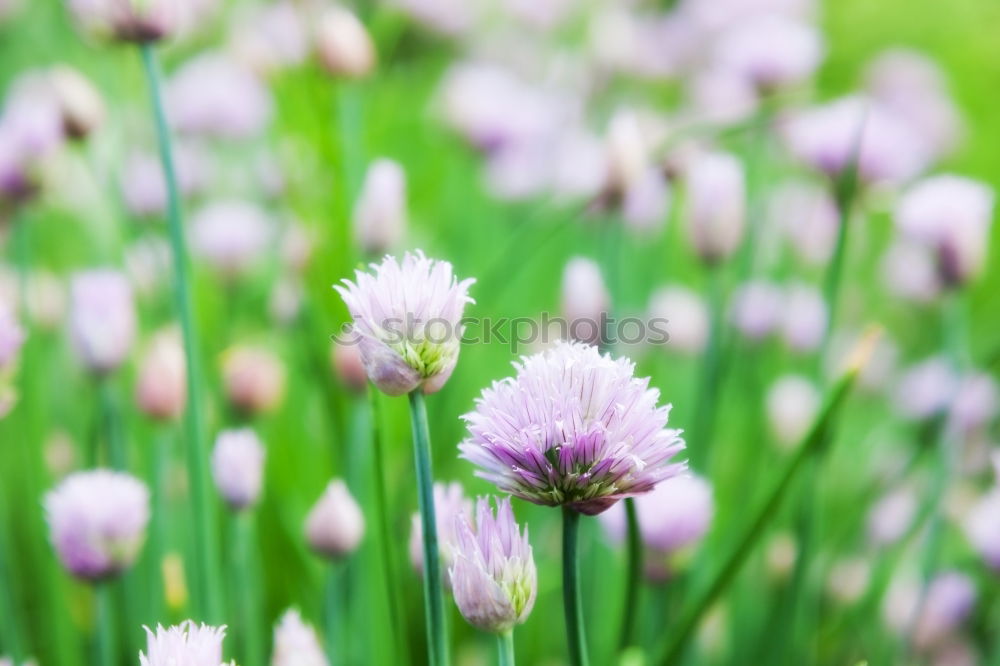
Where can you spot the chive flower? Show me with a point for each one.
(97, 520)
(573, 427)
(493, 576)
(407, 321)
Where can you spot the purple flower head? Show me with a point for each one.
(130, 20)
(231, 235)
(407, 321)
(213, 95)
(450, 502)
(771, 50)
(296, 643)
(187, 643)
(97, 522)
(238, 467)
(674, 515)
(102, 318)
(573, 427)
(951, 216)
(493, 577)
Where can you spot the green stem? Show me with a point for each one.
(10, 618)
(206, 566)
(115, 453)
(335, 614)
(160, 518)
(385, 534)
(702, 426)
(246, 591)
(634, 582)
(505, 648)
(106, 652)
(433, 601)
(575, 637)
(811, 445)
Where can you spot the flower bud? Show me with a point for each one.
(161, 389)
(97, 522)
(137, 21)
(756, 309)
(79, 101)
(380, 211)
(780, 556)
(349, 366)
(238, 467)
(770, 50)
(11, 337)
(673, 518)
(102, 319)
(344, 45)
(253, 378)
(335, 524)
(952, 216)
(684, 315)
(716, 205)
(627, 153)
(231, 236)
(804, 317)
(792, 404)
(212, 95)
(450, 503)
(808, 216)
(585, 300)
(943, 605)
(493, 576)
(925, 389)
(892, 516)
(296, 643)
(46, 299)
(849, 579)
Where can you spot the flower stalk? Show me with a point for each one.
(433, 599)
(575, 636)
(205, 569)
(505, 648)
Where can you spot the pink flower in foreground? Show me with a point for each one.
(186, 644)
(573, 427)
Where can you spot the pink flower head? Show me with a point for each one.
(254, 378)
(102, 318)
(832, 137)
(186, 644)
(674, 515)
(950, 215)
(214, 95)
(771, 50)
(296, 643)
(97, 522)
(716, 205)
(130, 20)
(685, 316)
(756, 309)
(585, 300)
(380, 211)
(573, 427)
(493, 576)
(161, 388)
(231, 236)
(238, 467)
(407, 321)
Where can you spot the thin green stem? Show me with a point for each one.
(105, 620)
(433, 599)
(206, 547)
(634, 581)
(384, 532)
(115, 454)
(160, 517)
(812, 445)
(335, 614)
(505, 648)
(575, 636)
(10, 618)
(703, 424)
(246, 591)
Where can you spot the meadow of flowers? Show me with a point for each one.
(589, 332)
